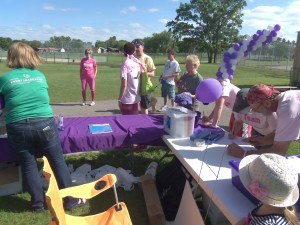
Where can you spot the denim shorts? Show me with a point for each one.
(168, 90)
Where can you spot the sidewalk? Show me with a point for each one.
(110, 107)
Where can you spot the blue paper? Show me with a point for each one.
(100, 128)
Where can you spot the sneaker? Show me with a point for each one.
(92, 103)
(83, 103)
(72, 203)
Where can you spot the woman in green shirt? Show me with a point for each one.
(30, 123)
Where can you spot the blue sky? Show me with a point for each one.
(126, 19)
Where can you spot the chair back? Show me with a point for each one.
(53, 198)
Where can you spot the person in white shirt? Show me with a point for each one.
(266, 100)
(168, 78)
(227, 99)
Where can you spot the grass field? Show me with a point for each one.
(64, 86)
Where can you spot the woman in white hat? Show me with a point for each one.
(273, 181)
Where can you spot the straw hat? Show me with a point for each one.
(270, 179)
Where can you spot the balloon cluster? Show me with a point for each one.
(243, 48)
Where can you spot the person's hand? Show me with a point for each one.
(235, 150)
(256, 140)
(119, 104)
(206, 120)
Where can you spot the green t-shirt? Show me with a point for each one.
(188, 83)
(26, 95)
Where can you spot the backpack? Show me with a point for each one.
(170, 184)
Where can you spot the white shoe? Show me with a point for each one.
(92, 103)
(83, 103)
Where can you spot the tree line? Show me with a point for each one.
(209, 26)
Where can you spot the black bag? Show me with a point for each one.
(170, 184)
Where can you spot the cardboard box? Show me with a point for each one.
(179, 121)
(10, 180)
(154, 208)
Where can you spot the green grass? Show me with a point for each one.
(64, 86)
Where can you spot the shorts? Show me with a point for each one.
(145, 101)
(168, 90)
(130, 109)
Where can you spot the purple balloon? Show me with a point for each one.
(236, 47)
(209, 90)
(277, 27)
(250, 48)
(228, 65)
(226, 59)
(246, 53)
(230, 77)
(230, 71)
(259, 32)
(269, 39)
(273, 33)
(255, 37)
(234, 55)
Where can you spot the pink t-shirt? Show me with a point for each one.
(131, 71)
(88, 66)
(229, 91)
(261, 123)
(288, 114)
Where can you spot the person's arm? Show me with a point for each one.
(151, 74)
(96, 70)
(237, 125)
(279, 147)
(122, 90)
(241, 222)
(216, 113)
(262, 140)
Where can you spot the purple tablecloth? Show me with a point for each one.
(127, 130)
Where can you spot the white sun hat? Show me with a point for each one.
(270, 179)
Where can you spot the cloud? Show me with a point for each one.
(175, 0)
(153, 10)
(47, 26)
(129, 9)
(135, 25)
(53, 8)
(163, 21)
(261, 17)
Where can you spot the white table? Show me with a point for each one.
(210, 168)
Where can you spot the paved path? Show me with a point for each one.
(110, 107)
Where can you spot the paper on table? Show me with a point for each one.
(100, 128)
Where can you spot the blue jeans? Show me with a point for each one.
(28, 136)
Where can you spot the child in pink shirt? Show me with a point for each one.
(88, 73)
(131, 69)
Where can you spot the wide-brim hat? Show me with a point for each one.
(241, 105)
(270, 178)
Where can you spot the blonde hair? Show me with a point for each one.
(193, 59)
(291, 216)
(21, 55)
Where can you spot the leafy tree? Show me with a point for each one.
(213, 24)
(5, 42)
(160, 42)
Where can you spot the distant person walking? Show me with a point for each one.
(168, 79)
(145, 77)
(88, 73)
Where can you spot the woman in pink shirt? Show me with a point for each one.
(88, 73)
